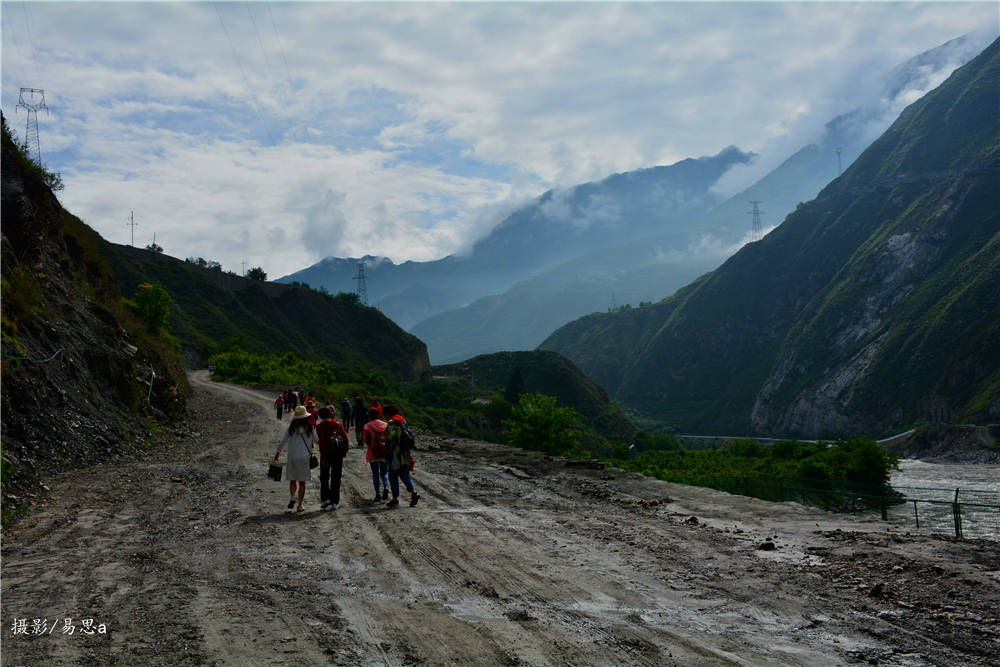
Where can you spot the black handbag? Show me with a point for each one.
(274, 472)
(313, 461)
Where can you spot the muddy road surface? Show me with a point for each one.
(187, 555)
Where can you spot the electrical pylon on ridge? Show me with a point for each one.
(756, 234)
(34, 101)
(362, 290)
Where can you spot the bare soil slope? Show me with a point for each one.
(189, 557)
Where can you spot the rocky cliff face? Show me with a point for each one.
(916, 304)
(81, 383)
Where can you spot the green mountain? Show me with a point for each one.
(212, 309)
(548, 373)
(870, 308)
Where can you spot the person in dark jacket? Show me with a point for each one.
(333, 445)
(360, 419)
(346, 413)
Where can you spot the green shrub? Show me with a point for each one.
(537, 423)
(749, 448)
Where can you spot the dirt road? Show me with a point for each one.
(187, 556)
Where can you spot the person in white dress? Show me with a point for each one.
(301, 437)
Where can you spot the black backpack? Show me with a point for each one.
(341, 443)
(402, 437)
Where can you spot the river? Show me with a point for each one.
(933, 485)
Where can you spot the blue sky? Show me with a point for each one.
(275, 134)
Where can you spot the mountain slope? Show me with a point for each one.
(646, 269)
(84, 382)
(212, 308)
(865, 308)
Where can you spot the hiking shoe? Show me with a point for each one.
(393, 503)
(300, 509)
(291, 503)
(413, 499)
(326, 503)
(335, 506)
(385, 494)
(377, 498)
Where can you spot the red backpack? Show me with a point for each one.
(378, 449)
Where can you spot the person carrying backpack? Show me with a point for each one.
(399, 455)
(375, 453)
(279, 404)
(332, 450)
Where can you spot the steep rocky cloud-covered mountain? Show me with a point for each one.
(872, 307)
(558, 226)
(633, 270)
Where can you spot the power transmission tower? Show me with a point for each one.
(32, 99)
(839, 169)
(132, 223)
(755, 230)
(362, 284)
(613, 305)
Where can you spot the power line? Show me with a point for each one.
(254, 99)
(232, 47)
(31, 42)
(267, 62)
(281, 47)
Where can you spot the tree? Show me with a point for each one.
(152, 304)
(154, 247)
(536, 423)
(256, 273)
(347, 297)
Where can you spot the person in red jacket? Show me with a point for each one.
(374, 438)
(332, 450)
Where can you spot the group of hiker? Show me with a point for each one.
(383, 431)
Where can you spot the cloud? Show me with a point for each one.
(409, 129)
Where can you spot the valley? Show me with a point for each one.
(188, 557)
